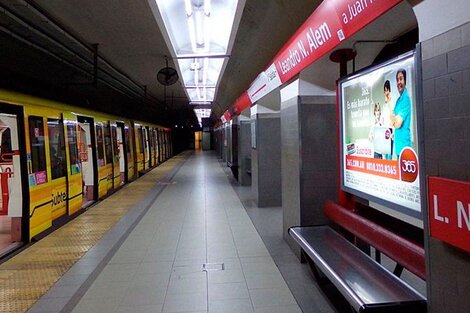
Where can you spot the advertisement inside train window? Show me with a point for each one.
(379, 145)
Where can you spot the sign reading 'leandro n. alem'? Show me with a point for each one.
(332, 22)
(449, 211)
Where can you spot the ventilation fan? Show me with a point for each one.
(167, 76)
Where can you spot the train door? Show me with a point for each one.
(13, 222)
(103, 169)
(167, 150)
(162, 136)
(86, 143)
(152, 141)
(170, 141)
(122, 148)
(140, 149)
(168, 154)
(58, 167)
(146, 148)
(74, 171)
(155, 145)
(150, 147)
(119, 154)
(129, 141)
(159, 144)
(163, 145)
(109, 157)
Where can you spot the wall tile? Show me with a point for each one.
(437, 149)
(432, 167)
(453, 170)
(435, 67)
(459, 59)
(450, 128)
(460, 151)
(465, 32)
(460, 105)
(448, 41)
(427, 49)
(431, 129)
(436, 108)
(428, 89)
(466, 81)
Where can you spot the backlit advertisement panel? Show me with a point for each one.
(379, 144)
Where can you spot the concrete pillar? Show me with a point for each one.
(244, 152)
(309, 157)
(225, 143)
(446, 107)
(266, 159)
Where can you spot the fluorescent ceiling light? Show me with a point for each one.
(199, 34)
(202, 113)
(201, 94)
(207, 7)
(188, 6)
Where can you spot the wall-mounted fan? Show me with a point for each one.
(167, 76)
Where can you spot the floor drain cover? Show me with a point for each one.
(207, 267)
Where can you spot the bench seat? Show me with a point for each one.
(365, 284)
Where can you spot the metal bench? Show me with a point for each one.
(364, 283)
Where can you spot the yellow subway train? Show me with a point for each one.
(57, 159)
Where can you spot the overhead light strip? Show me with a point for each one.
(204, 40)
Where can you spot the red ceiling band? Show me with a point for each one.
(331, 23)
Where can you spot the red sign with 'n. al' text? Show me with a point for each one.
(331, 23)
(449, 211)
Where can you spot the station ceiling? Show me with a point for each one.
(48, 49)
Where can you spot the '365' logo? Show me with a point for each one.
(408, 165)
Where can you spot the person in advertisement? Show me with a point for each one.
(378, 121)
(401, 115)
(387, 111)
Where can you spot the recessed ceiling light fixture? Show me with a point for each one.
(200, 35)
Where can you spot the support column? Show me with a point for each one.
(244, 151)
(266, 159)
(309, 157)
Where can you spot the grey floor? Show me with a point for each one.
(197, 219)
(268, 223)
(195, 244)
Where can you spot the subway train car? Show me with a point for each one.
(57, 159)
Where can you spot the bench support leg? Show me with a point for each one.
(398, 270)
(378, 258)
(319, 277)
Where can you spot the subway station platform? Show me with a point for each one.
(179, 239)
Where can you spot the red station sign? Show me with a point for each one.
(449, 211)
(331, 23)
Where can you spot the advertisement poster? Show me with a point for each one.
(379, 135)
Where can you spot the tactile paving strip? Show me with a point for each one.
(30, 274)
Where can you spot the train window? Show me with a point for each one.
(73, 148)
(141, 139)
(5, 145)
(115, 144)
(56, 148)
(107, 144)
(99, 143)
(38, 150)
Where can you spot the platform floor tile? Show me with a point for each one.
(195, 250)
